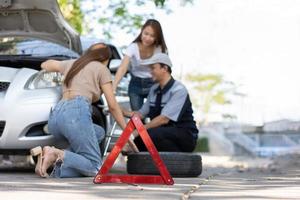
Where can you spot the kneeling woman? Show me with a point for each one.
(85, 80)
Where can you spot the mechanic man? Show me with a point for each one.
(172, 127)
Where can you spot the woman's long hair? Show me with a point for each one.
(97, 52)
(159, 36)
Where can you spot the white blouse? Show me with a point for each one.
(136, 68)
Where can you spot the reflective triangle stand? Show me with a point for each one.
(104, 177)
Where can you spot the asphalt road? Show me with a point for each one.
(223, 177)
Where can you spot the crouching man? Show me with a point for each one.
(172, 127)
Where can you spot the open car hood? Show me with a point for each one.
(37, 19)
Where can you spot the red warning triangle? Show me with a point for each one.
(104, 177)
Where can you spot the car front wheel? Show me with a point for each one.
(99, 119)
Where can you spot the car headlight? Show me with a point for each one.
(44, 79)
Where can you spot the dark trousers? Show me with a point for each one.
(170, 139)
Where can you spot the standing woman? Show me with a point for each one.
(148, 42)
(85, 80)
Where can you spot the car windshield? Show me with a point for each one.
(33, 47)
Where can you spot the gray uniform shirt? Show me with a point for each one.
(175, 105)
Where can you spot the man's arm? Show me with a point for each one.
(172, 109)
(157, 121)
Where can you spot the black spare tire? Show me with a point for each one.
(178, 164)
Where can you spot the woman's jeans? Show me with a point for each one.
(138, 90)
(71, 120)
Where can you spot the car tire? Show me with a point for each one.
(179, 164)
(99, 119)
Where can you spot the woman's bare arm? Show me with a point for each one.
(52, 66)
(113, 105)
(115, 110)
(121, 71)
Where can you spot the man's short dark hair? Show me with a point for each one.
(167, 67)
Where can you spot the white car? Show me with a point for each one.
(32, 31)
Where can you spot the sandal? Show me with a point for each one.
(37, 151)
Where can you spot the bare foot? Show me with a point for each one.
(49, 158)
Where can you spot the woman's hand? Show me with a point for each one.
(51, 66)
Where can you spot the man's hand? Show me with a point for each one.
(126, 112)
(138, 114)
(129, 114)
(156, 122)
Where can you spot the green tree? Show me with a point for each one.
(211, 89)
(73, 13)
(116, 15)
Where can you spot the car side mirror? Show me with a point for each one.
(114, 65)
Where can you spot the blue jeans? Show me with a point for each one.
(71, 120)
(138, 90)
